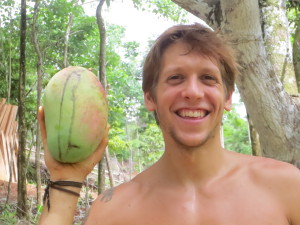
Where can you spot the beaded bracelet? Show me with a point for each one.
(55, 185)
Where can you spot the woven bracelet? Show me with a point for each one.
(56, 185)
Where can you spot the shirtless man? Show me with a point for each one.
(188, 82)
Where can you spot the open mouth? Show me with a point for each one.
(188, 113)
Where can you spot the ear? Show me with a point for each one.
(228, 101)
(149, 102)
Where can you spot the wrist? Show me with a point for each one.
(61, 178)
(71, 188)
(66, 177)
(75, 191)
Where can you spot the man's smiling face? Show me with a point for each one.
(189, 97)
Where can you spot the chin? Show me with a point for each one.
(190, 142)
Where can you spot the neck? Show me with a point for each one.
(193, 165)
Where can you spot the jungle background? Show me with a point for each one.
(38, 38)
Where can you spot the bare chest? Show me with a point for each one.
(234, 208)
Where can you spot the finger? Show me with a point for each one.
(41, 119)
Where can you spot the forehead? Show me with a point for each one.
(180, 55)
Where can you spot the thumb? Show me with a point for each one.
(41, 120)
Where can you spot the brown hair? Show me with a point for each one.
(201, 39)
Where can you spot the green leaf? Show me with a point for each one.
(39, 208)
(108, 3)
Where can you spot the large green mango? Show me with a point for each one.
(76, 114)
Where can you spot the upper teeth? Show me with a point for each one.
(192, 113)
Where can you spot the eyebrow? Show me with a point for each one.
(211, 70)
(178, 68)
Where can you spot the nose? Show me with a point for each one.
(193, 90)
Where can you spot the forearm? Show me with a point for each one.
(62, 207)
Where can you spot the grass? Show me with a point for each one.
(8, 214)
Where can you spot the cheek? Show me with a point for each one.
(170, 92)
(217, 98)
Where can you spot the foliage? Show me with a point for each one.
(293, 13)
(235, 130)
(149, 145)
(8, 216)
(164, 8)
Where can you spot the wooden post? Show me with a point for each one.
(8, 141)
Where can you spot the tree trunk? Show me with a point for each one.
(296, 54)
(254, 137)
(86, 197)
(109, 171)
(39, 90)
(102, 78)
(102, 54)
(22, 206)
(274, 113)
(67, 36)
(101, 176)
(277, 41)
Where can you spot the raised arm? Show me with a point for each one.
(63, 204)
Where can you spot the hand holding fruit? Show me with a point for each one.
(73, 123)
(70, 171)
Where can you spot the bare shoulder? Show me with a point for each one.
(278, 179)
(111, 205)
(267, 169)
(274, 171)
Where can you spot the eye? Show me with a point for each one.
(175, 79)
(209, 79)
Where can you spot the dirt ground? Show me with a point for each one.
(31, 191)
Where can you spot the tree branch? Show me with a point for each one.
(207, 10)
